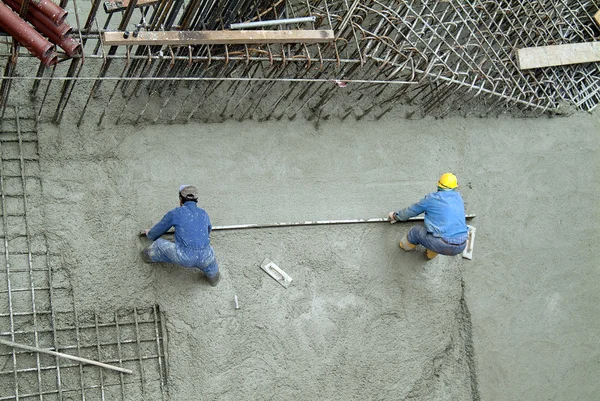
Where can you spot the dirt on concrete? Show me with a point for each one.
(362, 319)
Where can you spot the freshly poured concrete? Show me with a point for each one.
(362, 319)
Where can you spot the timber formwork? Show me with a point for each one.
(436, 56)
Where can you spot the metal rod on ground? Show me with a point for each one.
(66, 356)
(312, 223)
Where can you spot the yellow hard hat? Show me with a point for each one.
(448, 181)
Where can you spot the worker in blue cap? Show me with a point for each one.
(445, 229)
(191, 248)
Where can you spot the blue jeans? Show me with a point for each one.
(419, 235)
(202, 259)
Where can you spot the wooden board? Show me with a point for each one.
(111, 6)
(597, 17)
(184, 38)
(548, 56)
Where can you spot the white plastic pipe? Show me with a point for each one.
(257, 24)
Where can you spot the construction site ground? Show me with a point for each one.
(362, 320)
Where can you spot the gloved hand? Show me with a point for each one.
(392, 218)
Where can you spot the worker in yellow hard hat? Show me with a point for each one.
(445, 229)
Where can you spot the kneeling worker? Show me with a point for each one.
(445, 228)
(192, 248)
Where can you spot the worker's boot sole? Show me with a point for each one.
(406, 245)
(213, 281)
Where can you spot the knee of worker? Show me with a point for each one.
(162, 250)
(416, 235)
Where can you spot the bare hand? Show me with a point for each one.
(391, 217)
(146, 231)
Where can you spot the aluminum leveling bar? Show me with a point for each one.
(311, 223)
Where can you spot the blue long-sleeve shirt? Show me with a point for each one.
(444, 215)
(192, 226)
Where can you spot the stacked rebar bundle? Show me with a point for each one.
(435, 56)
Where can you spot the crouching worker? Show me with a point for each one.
(191, 248)
(445, 228)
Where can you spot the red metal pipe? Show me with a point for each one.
(51, 10)
(27, 36)
(32, 12)
(68, 44)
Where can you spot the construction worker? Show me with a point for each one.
(191, 248)
(445, 228)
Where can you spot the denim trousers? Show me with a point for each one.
(202, 259)
(419, 235)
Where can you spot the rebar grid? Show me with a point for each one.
(131, 339)
(440, 55)
(37, 305)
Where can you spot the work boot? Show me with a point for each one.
(213, 281)
(145, 256)
(407, 246)
(429, 254)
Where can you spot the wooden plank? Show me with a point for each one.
(597, 17)
(111, 6)
(184, 38)
(547, 56)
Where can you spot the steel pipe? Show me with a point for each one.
(51, 10)
(33, 13)
(67, 43)
(256, 24)
(27, 36)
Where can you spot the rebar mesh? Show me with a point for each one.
(433, 54)
(37, 306)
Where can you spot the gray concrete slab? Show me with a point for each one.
(362, 319)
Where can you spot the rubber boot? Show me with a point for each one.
(429, 254)
(407, 246)
(213, 281)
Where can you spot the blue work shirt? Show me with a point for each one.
(192, 226)
(444, 215)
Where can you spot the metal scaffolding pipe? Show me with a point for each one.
(27, 36)
(257, 24)
(51, 10)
